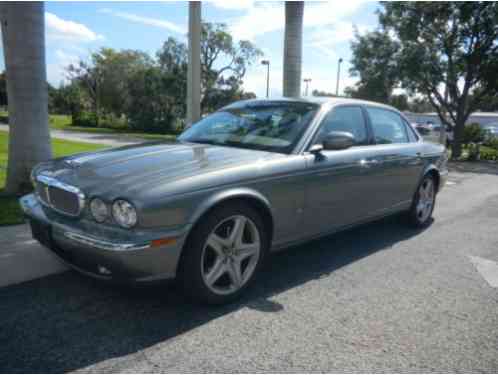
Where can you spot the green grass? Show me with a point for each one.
(60, 122)
(64, 122)
(10, 212)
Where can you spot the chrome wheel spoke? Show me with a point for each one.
(218, 269)
(247, 250)
(237, 233)
(235, 273)
(420, 208)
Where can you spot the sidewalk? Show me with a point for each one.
(113, 140)
(22, 258)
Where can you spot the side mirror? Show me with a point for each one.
(338, 141)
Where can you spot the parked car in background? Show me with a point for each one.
(432, 132)
(491, 130)
(254, 177)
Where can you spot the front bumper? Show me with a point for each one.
(109, 254)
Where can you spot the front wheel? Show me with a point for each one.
(420, 213)
(224, 254)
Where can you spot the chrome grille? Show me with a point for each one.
(66, 199)
(63, 200)
(42, 192)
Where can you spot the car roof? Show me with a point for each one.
(319, 100)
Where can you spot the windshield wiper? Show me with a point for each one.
(206, 141)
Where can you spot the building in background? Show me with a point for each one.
(482, 118)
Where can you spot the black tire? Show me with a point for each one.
(414, 216)
(190, 273)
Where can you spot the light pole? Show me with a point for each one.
(307, 81)
(338, 76)
(267, 63)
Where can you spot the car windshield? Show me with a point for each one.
(273, 126)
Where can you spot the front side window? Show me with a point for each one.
(412, 136)
(344, 119)
(387, 126)
(272, 126)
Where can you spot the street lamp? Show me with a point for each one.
(338, 75)
(267, 63)
(307, 81)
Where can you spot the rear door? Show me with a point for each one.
(397, 155)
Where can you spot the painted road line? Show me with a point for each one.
(487, 268)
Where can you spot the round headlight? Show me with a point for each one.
(124, 213)
(99, 210)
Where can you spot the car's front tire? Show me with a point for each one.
(420, 214)
(223, 254)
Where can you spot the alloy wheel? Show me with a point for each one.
(425, 200)
(230, 255)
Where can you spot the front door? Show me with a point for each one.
(337, 189)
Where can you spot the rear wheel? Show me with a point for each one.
(420, 213)
(224, 254)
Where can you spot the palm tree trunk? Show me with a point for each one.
(23, 34)
(293, 46)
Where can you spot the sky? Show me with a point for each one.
(75, 29)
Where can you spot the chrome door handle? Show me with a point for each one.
(368, 163)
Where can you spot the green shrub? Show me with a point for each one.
(85, 119)
(111, 121)
(492, 142)
(473, 133)
(488, 153)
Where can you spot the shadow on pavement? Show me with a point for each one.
(66, 322)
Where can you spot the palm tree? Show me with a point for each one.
(23, 34)
(293, 46)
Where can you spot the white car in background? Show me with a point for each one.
(431, 132)
(491, 130)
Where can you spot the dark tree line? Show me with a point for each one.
(129, 88)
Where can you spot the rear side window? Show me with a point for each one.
(344, 119)
(388, 126)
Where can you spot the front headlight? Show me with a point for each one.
(99, 210)
(124, 213)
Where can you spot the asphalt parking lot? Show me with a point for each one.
(379, 298)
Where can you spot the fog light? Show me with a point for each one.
(103, 270)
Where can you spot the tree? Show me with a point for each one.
(156, 103)
(452, 45)
(374, 63)
(104, 78)
(23, 37)
(420, 105)
(322, 93)
(222, 60)
(293, 47)
(89, 77)
(67, 99)
(399, 101)
(115, 68)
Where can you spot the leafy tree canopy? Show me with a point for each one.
(150, 93)
(429, 48)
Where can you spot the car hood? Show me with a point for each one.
(137, 167)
